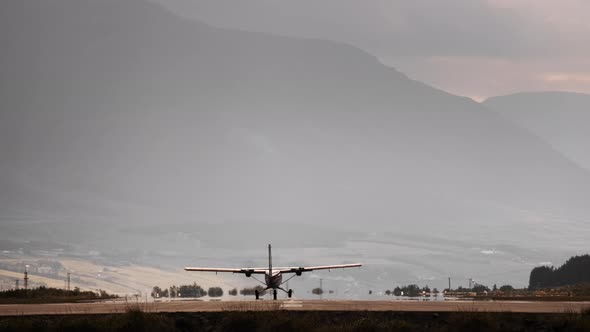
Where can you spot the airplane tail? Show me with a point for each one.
(269, 260)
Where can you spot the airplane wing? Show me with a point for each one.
(302, 269)
(246, 270)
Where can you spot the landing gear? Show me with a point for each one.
(257, 293)
(290, 293)
(274, 294)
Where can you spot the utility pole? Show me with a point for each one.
(449, 284)
(321, 289)
(26, 277)
(68, 280)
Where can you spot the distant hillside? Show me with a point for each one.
(121, 111)
(576, 270)
(560, 118)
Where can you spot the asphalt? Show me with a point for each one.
(302, 305)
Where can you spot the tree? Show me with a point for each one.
(193, 290)
(480, 288)
(541, 277)
(507, 288)
(435, 291)
(575, 270)
(412, 290)
(388, 292)
(173, 291)
(495, 288)
(317, 291)
(215, 292)
(233, 292)
(252, 291)
(156, 292)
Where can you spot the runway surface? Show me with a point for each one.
(304, 305)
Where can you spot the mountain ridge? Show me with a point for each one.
(559, 118)
(154, 110)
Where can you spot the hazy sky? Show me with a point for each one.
(475, 48)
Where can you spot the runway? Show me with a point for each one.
(296, 305)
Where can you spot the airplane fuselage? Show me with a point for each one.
(273, 281)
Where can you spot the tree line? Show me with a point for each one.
(195, 291)
(414, 290)
(50, 295)
(410, 290)
(574, 271)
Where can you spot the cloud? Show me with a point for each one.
(476, 48)
(566, 77)
(482, 77)
(505, 28)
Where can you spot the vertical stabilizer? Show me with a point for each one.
(269, 261)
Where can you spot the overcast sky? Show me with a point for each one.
(475, 48)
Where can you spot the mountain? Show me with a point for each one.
(121, 111)
(560, 118)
